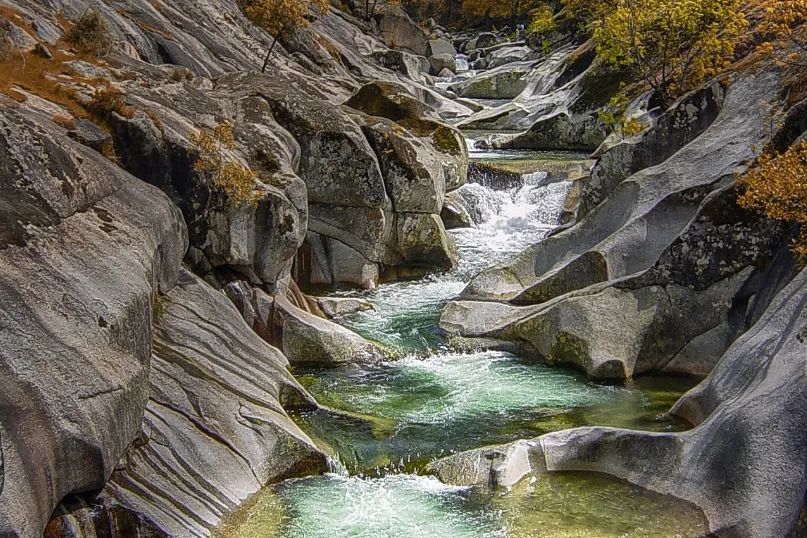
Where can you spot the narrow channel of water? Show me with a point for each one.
(388, 421)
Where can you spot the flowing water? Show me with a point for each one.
(383, 423)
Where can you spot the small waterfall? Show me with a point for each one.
(335, 466)
(483, 203)
(471, 143)
(462, 63)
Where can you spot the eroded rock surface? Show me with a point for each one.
(740, 462)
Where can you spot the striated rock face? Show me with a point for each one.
(84, 249)
(684, 122)
(742, 461)
(215, 430)
(399, 31)
(650, 278)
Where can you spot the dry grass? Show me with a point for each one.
(90, 34)
(66, 122)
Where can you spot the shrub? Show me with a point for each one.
(107, 100)
(672, 45)
(783, 29)
(65, 122)
(543, 21)
(281, 18)
(776, 186)
(236, 180)
(90, 35)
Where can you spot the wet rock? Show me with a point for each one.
(455, 213)
(739, 428)
(307, 338)
(335, 307)
(562, 131)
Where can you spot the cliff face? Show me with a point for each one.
(126, 373)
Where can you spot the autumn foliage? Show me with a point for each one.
(777, 187)
(672, 45)
(281, 18)
(784, 32)
(226, 173)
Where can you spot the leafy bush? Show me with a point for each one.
(672, 45)
(776, 187)
(233, 178)
(90, 35)
(543, 21)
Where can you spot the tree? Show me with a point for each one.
(783, 29)
(281, 18)
(673, 45)
(776, 186)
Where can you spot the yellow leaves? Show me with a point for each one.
(783, 28)
(543, 20)
(229, 175)
(776, 186)
(672, 44)
(281, 17)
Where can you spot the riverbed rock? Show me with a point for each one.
(308, 339)
(455, 212)
(440, 46)
(669, 250)
(442, 62)
(742, 461)
(215, 430)
(506, 82)
(84, 250)
(507, 55)
(683, 122)
(336, 307)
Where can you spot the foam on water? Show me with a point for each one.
(388, 420)
(406, 313)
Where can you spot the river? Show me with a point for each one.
(384, 423)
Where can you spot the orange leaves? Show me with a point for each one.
(777, 187)
(281, 17)
(783, 28)
(229, 175)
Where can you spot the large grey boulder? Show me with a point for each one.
(440, 63)
(398, 31)
(743, 461)
(687, 119)
(440, 46)
(215, 430)
(84, 250)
